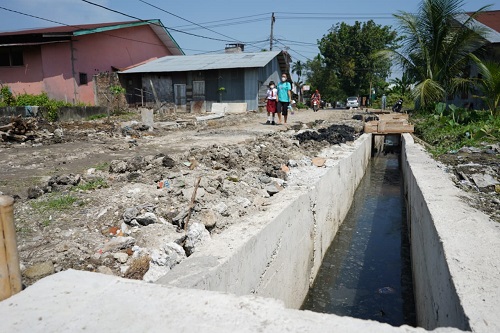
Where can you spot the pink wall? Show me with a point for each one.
(48, 67)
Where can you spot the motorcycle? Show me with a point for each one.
(315, 105)
(398, 106)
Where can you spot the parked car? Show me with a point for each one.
(352, 102)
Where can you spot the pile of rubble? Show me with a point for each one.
(144, 214)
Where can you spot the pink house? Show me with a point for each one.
(64, 61)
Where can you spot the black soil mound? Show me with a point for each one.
(335, 134)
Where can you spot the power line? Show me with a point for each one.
(194, 23)
(78, 27)
(172, 29)
(179, 17)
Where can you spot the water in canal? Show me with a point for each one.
(366, 272)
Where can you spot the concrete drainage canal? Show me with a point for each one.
(366, 271)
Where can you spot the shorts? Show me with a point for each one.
(271, 105)
(283, 108)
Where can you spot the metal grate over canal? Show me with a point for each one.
(366, 272)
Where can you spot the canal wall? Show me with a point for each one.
(277, 253)
(455, 249)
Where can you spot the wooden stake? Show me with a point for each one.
(10, 272)
(191, 205)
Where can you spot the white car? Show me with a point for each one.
(352, 102)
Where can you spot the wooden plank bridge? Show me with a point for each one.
(389, 123)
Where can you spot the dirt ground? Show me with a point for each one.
(115, 197)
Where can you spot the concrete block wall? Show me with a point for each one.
(455, 249)
(280, 254)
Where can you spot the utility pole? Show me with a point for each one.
(272, 28)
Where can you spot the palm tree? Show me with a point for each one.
(489, 84)
(436, 48)
(297, 69)
(402, 85)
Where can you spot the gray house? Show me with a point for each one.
(193, 83)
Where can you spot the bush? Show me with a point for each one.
(49, 107)
(450, 128)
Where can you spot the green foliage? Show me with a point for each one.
(450, 128)
(102, 166)
(6, 97)
(54, 203)
(348, 52)
(117, 90)
(92, 185)
(436, 52)
(300, 105)
(489, 84)
(49, 106)
(96, 116)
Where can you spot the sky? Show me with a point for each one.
(206, 26)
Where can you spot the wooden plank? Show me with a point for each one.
(393, 127)
(393, 116)
(371, 127)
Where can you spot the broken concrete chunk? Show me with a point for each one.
(146, 218)
(117, 166)
(196, 235)
(118, 243)
(318, 161)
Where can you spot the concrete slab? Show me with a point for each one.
(77, 301)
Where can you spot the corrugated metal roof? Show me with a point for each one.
(205, 62)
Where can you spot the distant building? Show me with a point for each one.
(193, 83)
(490, 22)
(66, 61)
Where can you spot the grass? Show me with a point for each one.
(102, 166)
(97, 116)
(54, 203)
(92, 185)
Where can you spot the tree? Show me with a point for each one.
(489, 84)
(348, 52)
(320, 77)
(402, 86)
(297, 68)
(436, 49)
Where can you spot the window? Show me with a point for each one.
(11, 57)
(83, 78)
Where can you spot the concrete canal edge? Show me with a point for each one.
(275, 255)
(455, 249)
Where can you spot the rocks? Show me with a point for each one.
(196, 235)
(118, 243)
(39, 270)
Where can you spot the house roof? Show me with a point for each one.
(491, 35)
(209, 61)
(64, 33)
(490, 19)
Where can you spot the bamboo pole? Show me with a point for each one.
(10, 272)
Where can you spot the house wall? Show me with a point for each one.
(242, 85)
(27, 78)
(49, 67)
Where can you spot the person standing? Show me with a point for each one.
(284, 97)
(384, 102)
(271, 102)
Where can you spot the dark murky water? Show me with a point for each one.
(366, 272)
